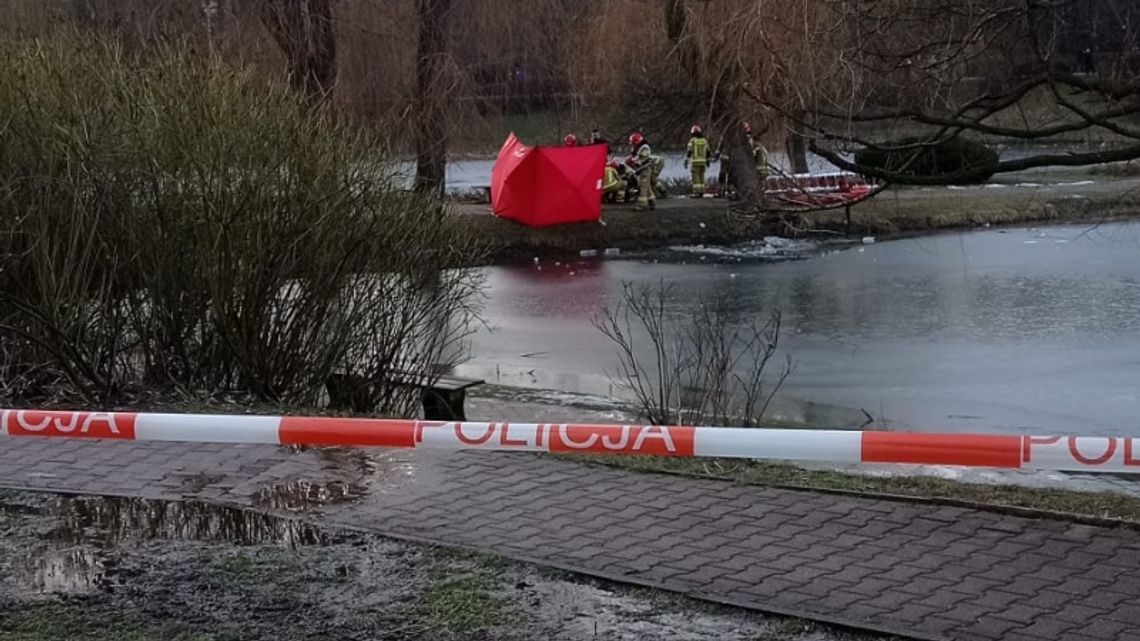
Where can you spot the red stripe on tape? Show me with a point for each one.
(303, 430)
(942, 449)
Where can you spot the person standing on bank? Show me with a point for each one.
(697, 160)
(642, 161)
(759, 154)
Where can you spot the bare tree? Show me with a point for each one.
(1019, 71)
(828, 76)
(304, 31)
(716, 79)
(430, 104)
(677, 30)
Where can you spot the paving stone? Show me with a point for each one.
(1104, 628)
(1051, 628)
(969, 613)
(989, 628)
(1020, 613)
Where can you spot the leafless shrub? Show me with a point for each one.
(170, 223)
(709, 368)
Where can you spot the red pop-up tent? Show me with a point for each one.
(540, 186)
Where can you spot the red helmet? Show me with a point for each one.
(613, 164)
(570, 140)
(696, 130)
(746, 128)
(636, 139)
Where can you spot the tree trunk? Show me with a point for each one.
(304, 31)
(429, 106)
(83, 13)
(741, 162)
(743, 168)
(797, 152)
(676, 28)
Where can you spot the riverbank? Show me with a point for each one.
(894, 213)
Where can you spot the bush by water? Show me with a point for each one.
(171, 223)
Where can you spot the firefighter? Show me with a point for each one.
(697, 155)
(631, 182)
(614, 184)
(642, 161)
(759, 154)
(570, 140)
(722, 178)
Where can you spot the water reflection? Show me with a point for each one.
(76, 554)
(583, 286)
(65, 569)
(122, 520)
(346, 475)
(302, 495)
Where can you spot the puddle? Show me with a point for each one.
(302, 495)
(366, 468)
(71, 570)
(584, 611)
(68, 545)
(124, 520)
(346, 475)
(594, 611)
(76, 567)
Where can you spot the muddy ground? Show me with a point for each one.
(894, 213)
(133, 570)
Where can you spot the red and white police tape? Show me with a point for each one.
(1083, 453)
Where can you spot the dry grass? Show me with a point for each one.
(1096, 505)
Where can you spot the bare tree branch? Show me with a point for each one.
(305, 32)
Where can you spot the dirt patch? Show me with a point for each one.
(674, 222)
(682, 221)
(100, 568)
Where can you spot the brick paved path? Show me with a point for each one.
(935, 572)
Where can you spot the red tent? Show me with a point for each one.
(540, 186)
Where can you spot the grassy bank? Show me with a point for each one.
(1075, 505)
(680, 221)
(916, 210)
